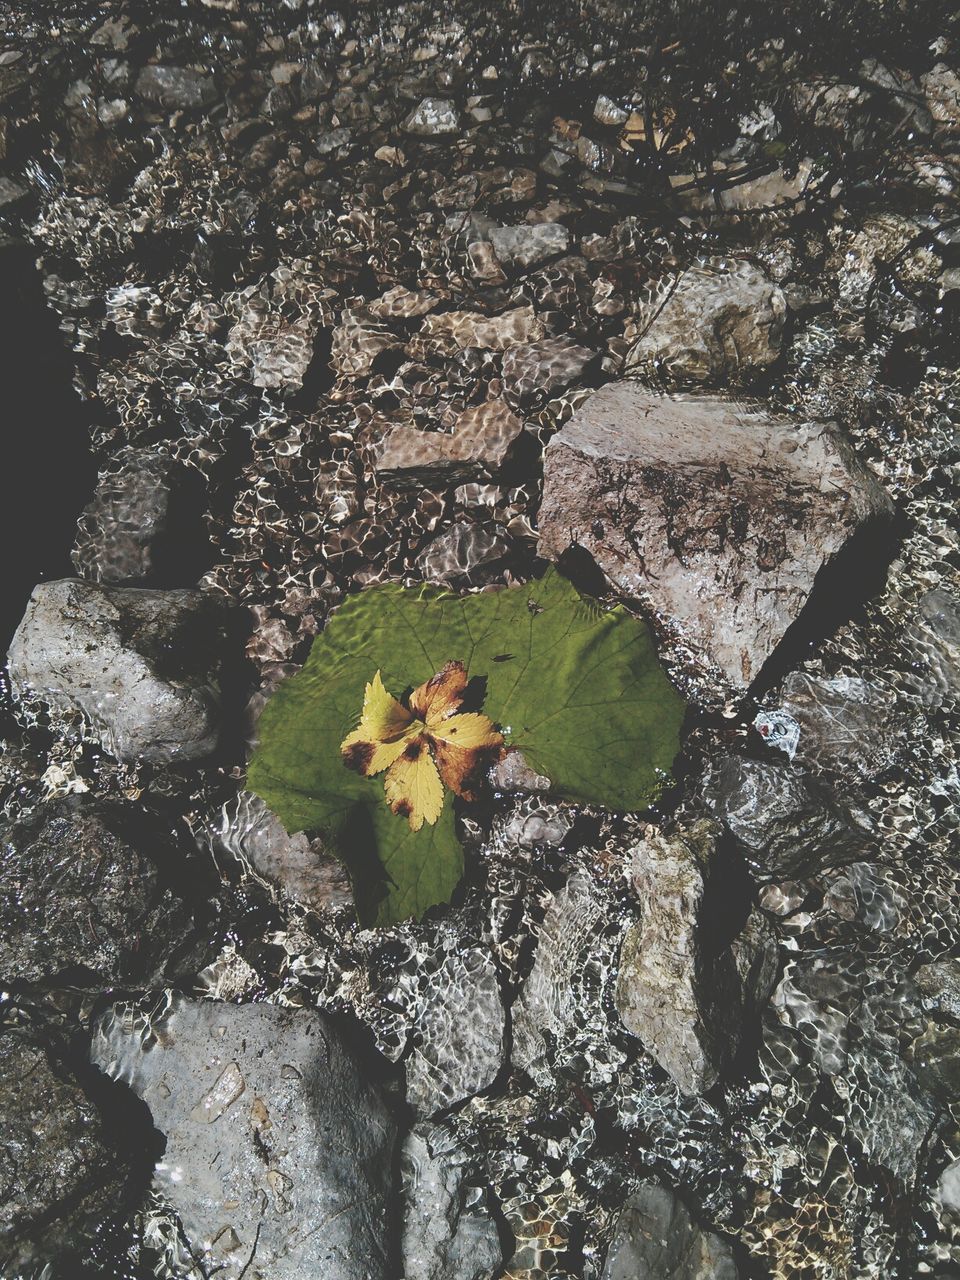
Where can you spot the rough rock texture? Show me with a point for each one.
(276, 351)
(141, 526)
(176, 88)
(719, 517)
(450, 331)
(278, 1154)
(460, 556)
(936, 1062)
(476, 449)
(656, 1239)
(686, 1004)
(941, 87)
(83, 895)
(297, 865)
(723, 321)
(459, 1041)
(60, 1178)
(525, 246)
(544, 368)
(434, 117)
(139, 664)
(447, 1234)
(786, 822)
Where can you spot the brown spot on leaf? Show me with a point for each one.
(402, 808)
(414, 750)
(358, 756)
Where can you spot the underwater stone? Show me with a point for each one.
(477, 448)
(525, 246)
(655, 1238)
(723, 321)
(434, 117)
(461, 554)
(845, 722)
(176, 88)
(139, 664)
(544, 368)
(721, 518)
(277, 1146)
(443, 1238)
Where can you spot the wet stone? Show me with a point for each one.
(85, 896)
(140, 665)
(476, 449)
(525, 246)
(846, 723)
(63, 1177)
(176, 88)
(655, 1237)
(544, 368)
(786, 822)
(645, 483)
(722, 322)
(433, 118)
(447, 1232)
(277, 1145)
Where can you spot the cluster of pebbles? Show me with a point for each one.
(338, 286)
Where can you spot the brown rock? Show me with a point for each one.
(546, 367)
(479, 445)
(720, 517)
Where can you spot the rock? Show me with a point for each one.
(525, 246)
(608, 112)
(478, 447)
(845, 723)
(63, 1178)
(859, 252)
(140, 665)
(544, 368)
(935, 637)
(85, 893)
(143, 525)
(451, 331)
(723, 322)
(463, 555)
(277, 351)
(941, 87)
(719, 517)
(685, 1002)
(176, 88)
(767, 191)
(459, 1041)
(357, 341)
(656, 1239)
(948, 1188)
(277, 1147)
(444, 1236)
(433, 118)
(12, 192)
(786, 823)
(512, 773)
(300, 867)
(936, 1062)
(939, 984)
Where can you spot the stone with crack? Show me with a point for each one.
(481, 442)
(140, 665)
(279, 1150)
(722, 321)
(718, 517)
(656, 1237)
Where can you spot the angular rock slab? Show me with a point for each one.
(278, 1153)
(139, 664)
(720, 517)
(656, 1239)
(476, 449)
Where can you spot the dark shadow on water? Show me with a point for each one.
(48, 472)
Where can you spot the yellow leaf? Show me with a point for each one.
(385, 727)
(465, 747)
(441, 695)
(412, 785)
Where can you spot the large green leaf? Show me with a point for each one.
(577, 688)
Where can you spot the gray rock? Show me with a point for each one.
(83, 894)
(462, 554)
(936, 1062)
(61, 1176)
(786, 823)
(948, 1188)
(140, 665)
(687, 1004)
(719, 517)
(544, 368)
(12, 191)
(845, 722)
(656, 1239)
(459, 1040)
(526, 245)
(141, 526)
(300, 867)
(481, 442)
(433, 118)
(278, 1152)
(723, 321)
(939, 985)
(512, 773)
(176, 88)
(935, 637)
(941, 86)
(447, 1234)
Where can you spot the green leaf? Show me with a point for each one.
(576, 688)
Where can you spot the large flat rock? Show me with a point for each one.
(718, 516)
